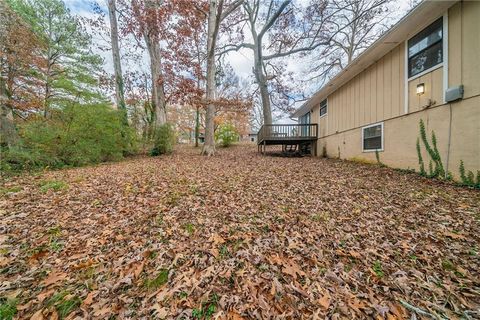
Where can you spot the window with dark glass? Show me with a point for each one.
(372, 137)
(323, 107)
(425, 50)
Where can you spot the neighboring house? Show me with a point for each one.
(252, 137)
(376, 103)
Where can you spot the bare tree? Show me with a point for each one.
(152, 41)
(117, 67)
(279, 29)
(356, 24)
(217, 12)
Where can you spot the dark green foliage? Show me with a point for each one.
(226, 135)
(74, 70)
(19, 158)
(436, 169)
(468, 178)
(8, 308)
(78, 135)
(164, 140)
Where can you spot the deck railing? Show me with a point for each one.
(287, 132)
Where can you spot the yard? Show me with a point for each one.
(238, 236)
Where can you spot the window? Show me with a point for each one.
(323, 107)
(425, 50)
(372, 137)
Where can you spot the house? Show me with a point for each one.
(426, 67)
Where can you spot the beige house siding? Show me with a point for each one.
(378, 95)
(374, 95)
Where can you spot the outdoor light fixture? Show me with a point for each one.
(420, 88)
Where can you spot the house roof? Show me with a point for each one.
(417, 19)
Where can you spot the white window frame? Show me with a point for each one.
(443, 64)
(320, 107)
(382, 140)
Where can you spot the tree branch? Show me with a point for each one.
(274, 18)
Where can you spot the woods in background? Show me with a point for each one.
(56, 96)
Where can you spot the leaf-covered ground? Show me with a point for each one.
(238, 236)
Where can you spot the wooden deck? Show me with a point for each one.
(287, 135)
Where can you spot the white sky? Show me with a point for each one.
(241, 62)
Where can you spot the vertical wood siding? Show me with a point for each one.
(378, 92)
(374, 95)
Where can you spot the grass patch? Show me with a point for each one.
(321, 217)
(10, 190)
(361, 160)
(448, 265)
(378, 269)
(224, 253)
(158, 281)
(64, 303)
(54, 244)
(207, 310)
(189, 227)
(8, 308)
(54, 232)
(55, 185)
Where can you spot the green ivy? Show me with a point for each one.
(468, 178)
(420, 159)
(436, 169)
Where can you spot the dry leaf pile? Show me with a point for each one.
(239, 236)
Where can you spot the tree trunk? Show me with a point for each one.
(117, 67)
(197, 126)
(8, 133)
(262, 82)
(158, 94)
(209, 145)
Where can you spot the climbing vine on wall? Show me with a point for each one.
(468, 178)
(435, 166)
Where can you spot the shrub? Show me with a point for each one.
(226, 134)
(164, 140)
(20, 158)
(74, 136)
(468, 177)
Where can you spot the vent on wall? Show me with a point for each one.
(454, 93)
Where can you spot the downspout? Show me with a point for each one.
(450, 104)
(449, 139)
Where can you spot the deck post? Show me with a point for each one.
(264, 147)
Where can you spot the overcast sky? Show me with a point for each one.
(241, 61)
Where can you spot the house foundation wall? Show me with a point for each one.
(456, 126)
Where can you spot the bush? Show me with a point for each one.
(164, 140)
(20, 158)
(75, 136)
(226, 134)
